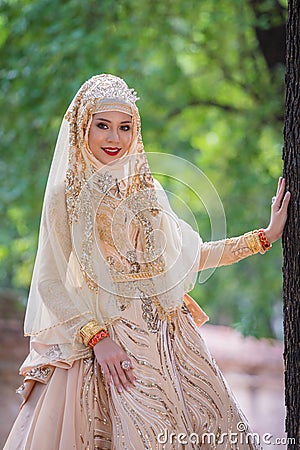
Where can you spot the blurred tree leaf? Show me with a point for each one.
(207, 94)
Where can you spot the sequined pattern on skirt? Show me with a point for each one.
(179, 389)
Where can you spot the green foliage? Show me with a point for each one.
(207, 95)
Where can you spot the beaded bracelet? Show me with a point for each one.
(98, 337)
(257, 241)
(266, 245)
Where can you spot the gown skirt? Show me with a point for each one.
(180, 400)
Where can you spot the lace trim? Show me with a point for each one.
(41, 374)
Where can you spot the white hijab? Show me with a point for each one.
(108, 235)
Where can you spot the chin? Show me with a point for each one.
(105, 159)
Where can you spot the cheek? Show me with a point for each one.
(93, 137)
(127, 140)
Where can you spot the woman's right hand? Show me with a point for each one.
(110, 357)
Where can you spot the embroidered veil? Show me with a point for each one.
(108, 235)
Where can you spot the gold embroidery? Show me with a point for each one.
(150, 315)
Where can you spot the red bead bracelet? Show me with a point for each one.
(266, 245)
(98, 337)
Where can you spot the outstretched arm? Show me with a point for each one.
(229, 251)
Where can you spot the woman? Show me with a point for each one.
(116, 360)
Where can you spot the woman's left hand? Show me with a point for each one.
(278, 212)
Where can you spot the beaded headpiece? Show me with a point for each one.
(108, 86)
(102, 92)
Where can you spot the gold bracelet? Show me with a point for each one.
(88, 331)
(253, 242)
(250, 241)
(258, 243)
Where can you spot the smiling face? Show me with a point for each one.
(110, 135)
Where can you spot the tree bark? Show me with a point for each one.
(291, 236)
(270, 31)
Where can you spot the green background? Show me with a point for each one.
(208, 94)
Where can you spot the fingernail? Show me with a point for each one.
(120, 389)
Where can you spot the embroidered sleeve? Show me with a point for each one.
(226, 251)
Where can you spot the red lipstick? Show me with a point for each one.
(111, 151)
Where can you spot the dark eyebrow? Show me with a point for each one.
(106, 120)
(103, 120)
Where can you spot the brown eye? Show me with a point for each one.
(125, 127)
(102, 126)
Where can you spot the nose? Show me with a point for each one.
(113, 136)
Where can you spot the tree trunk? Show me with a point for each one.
(270, 31)
(291, 237)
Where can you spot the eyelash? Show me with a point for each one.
(104, 126)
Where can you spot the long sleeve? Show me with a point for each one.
(225, 252)
(57, 298)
